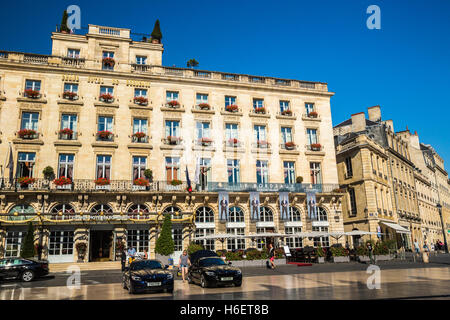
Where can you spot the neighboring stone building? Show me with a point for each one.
(375, 167)
(102, 107)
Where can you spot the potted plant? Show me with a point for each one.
(289, 145)
(62, 182)
(66, 133)
(148, 174)
(175, 182)
(173, 140)
(312, 114)
(156, 35)
(260, 110)
(204, 106)
(299, 179)
(320, 254)
(102, 184)
(142, 101)
(106, 97)
(233, 142)
(164, 244)
(27, 249)
(109, 62)
(232, 108)
(81, 249)
(205, 141)
(140, 184)
(70, 95)
(27, 133)
(139, 136)
(33, 94)
(286, 112)
(25, 181)
(316, 146)
(173, 104)
(104, 135)
(339, 254)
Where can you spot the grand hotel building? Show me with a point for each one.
(126, 113)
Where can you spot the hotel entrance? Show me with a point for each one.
(101, 245)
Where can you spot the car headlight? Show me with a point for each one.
(238, 271)
(170, 276)
(211, 273)
(135, 278)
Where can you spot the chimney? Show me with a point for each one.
(358, 122)
(374, 113)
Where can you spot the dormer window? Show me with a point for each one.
(73, 53)
(141, 60)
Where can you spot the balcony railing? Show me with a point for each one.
(136, 139)
(87, 185)
(288, 146)
(68, 136)
(105, 136)
(232, 143)
(172, 140)
(202, 74)
(204, 142)
(35, 58)
(73, 62)
(140, 67)
(261, 145)
(314, 147)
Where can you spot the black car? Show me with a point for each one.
(22, 269)
(147, 275)
(208, 269)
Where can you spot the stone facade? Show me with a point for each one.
(84, 211)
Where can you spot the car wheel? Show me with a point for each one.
(170, 290)
(238, 284)
(189, 279)
(27, 276)
(131, 289)
(203, 282)
(124, 284)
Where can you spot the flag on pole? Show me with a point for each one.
(10, 165)
(188, 181)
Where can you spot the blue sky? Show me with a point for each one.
(404, 67)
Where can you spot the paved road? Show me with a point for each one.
(399, 279)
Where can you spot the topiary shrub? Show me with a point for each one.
(156, 33)
(164, 244)
(299, 179)
(194, 247)
(48, 173)
(28, 250)
(338, 252)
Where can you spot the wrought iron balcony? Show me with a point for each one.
(68, 136)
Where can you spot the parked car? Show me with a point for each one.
(208, 269)
(147, 275)
(22, 269)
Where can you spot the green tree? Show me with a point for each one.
(165, 245)
(192, 63)
(64, 26)
(156, 33)
(27, 250)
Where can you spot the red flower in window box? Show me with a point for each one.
(30, 93)
(139, 135)
(61, 181)
(173, 104)
(67, 131)
(106, 97)
(262, 143)
(233, 141)
(286, 112)
(70, 95)
(173, 140)
(102, 182)
(140, 182)
(313, 114)
(260, 110)
(26, 133)
(204, 106)
(205, 141)
(316, 146)
(104, 134)
(232, 108)
(141, 100)
(175, 182)
(25, 181)
(289, 145)
(109, 62)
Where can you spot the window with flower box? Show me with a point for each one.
(105, 128)
(286, 136)
(310, 110)
(32, 88)
(230, 100)
(172, 131)
(68, 129)
(106, 94)
(103, 167)
(260, 136)
(29, 125)
(258, 106)
(65, 166)
(108, 61)
(139, 166)
(172, 96)
(140, 130)
(284, 107)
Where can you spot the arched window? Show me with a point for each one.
(106, 209)
(60, 211)
(204, 214)
(235, 214)
(23, 211)
(295, 214)
(173, 211)
(138, 211)
(265, 214)
(322, 214)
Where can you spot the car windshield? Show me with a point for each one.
(215, 261)
(147, 264)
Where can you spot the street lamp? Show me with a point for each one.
(443, 227)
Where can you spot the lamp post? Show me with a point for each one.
(443, 227)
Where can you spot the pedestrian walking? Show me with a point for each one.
(131, 254)
(272, 256)
(426, 248)
(184, 262)
(123, 258)
(370, 250)
(416, 247)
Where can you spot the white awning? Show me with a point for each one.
(396, 227)
(358, 233)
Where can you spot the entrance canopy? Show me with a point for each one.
(220, 236)
(396, 227)
(358, 233)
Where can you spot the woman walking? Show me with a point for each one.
(184, 262)
(272, 255)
